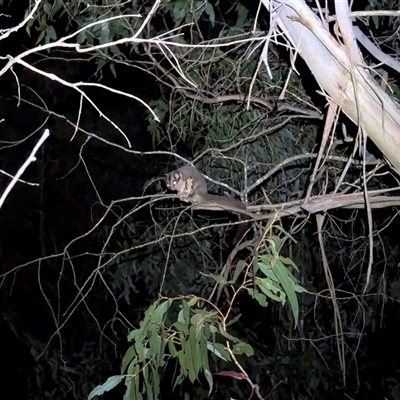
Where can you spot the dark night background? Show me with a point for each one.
(56, 344)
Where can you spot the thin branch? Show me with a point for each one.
(24, 166)
(8, 32)
(375, 51)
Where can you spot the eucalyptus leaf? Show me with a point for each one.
(140, 350)
(136, 381)
(270, 290)
(260, 297)
(227, 335)
(219, 350)
(197, 319)
(148, 383)
(145, 374)
(194, 348)
(156, 382)
(203, 355)
(243, 348)
(51, 32)
(287, 284)
(41, 36)
(180, 326)
(130, 389)
(267, 260)
(112, 69)
(209, 10)
(240, 266)
(172, 349)
(163, 344)
(159, 313)
(155, 344)
(189, 360)
(193, 301)
(289, 261)
(128, 357)
(183, 362)
(109, 384)
(185, 315)
(233, 320)
(57, 5)
(179, 11)
(268, 272)
(219, 279)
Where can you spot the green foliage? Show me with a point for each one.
(182, 333)
(110, 383)
(166, 334)
(374, 18)
(160, 107)
(278, 282)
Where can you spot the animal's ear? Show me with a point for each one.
(177, 175)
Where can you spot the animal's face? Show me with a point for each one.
(172, 180)
(176, 182)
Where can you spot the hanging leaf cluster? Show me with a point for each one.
(187, 339)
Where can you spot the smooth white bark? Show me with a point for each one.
(336, 67)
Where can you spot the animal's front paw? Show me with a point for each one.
(184, 197)
(189, 185)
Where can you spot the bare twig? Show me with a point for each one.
(4, 33)
(24, 166)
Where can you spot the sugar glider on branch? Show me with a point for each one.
(191, 187)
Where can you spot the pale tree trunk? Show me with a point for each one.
(338, 68)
